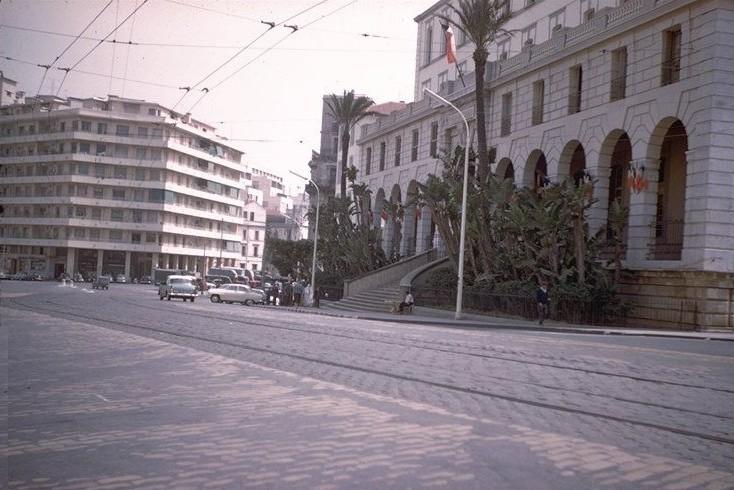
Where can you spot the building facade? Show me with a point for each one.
(615, 89)
(116, 186)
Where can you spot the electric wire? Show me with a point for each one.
(72, 67)
(273, 46)
(127, 56)
(114, 48)
(68, 46)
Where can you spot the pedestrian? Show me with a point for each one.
(541, 297)
(298, 293)
(275, 292)
(407, 301)
(317, 296)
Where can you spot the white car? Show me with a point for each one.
(235, 293)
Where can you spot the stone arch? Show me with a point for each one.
(667, 151)
(572, 162)
(536, 170)
(505, 169)
(392, 234)
(377, 211)
(615, 159)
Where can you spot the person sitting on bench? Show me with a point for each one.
(407, 301)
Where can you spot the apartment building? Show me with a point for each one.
(116, 186)
(616, 89)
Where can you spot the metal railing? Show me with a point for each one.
(566, 309)
(667, 241)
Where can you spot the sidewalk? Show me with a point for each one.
(436, 317)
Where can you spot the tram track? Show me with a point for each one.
(438, 349)
(159, 333)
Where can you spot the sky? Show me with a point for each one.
(268, 101)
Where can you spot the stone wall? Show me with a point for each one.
(679, 299)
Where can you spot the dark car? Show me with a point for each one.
(218, 280)
(102, 282)
(145, 280)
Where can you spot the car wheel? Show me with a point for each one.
(215, 299)
(168, 297)
(249, 302)
(192, 299)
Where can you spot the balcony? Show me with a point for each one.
(667, 240)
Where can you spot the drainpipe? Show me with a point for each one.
(730, 321)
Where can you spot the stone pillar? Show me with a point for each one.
(176, 262)
(423, 231)
(387, 236)
(154, 262)
(597, 214)
(70, 261)
(100, 262)
(407, 243)
(128, 256)
(642, 213)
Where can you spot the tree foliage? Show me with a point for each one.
(519, 237)
(291, 258)
(480, 21)
(348, 110)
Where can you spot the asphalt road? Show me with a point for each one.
(116, 389)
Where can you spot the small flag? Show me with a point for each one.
(450, 43)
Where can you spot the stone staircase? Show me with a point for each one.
(372, 300)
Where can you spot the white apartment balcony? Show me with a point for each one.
(122, 246)
(153, 227)
(53, 136)
(174, 145)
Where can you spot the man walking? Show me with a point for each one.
(541, 297)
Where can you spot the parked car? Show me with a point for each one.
(218, 280)
(122, 278)
(101, 282)
(4, 276)
(21, 276)
(183, 287)
(78, 277)
(235, 293)
(145, 280)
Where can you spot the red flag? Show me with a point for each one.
(450, 43)
(383, 214)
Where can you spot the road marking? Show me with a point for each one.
(101, 397)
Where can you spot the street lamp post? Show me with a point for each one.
(315, 235)
(462, 235)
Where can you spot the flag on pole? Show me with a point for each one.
(451, 49)
(450, 43)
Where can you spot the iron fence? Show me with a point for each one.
(567, 309)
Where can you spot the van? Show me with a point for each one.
(232, 272)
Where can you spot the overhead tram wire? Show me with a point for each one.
(184, 45)
(294, 29)
(114, 48)
(127, 56)
(103, 75)
(271, 26)
(71, 68)
(68, 46)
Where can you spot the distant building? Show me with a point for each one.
(9, 93)
(117, 186)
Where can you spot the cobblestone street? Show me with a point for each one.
(115, 389)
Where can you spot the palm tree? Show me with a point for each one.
(348, 110)
(480, 21)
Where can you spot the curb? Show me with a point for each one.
(674, 334)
